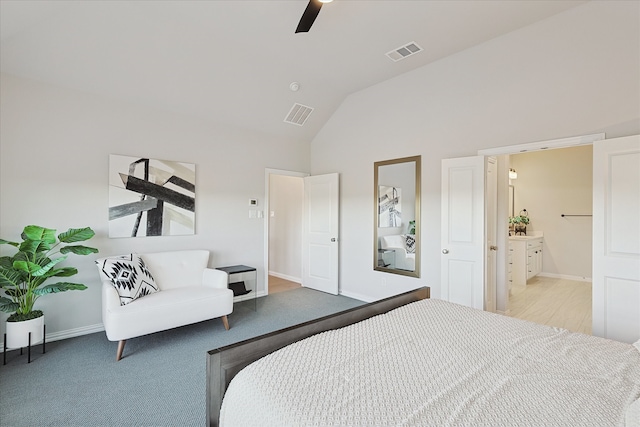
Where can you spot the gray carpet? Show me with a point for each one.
(161, 380)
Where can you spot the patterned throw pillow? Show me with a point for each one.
(129, 275)
(410, 243)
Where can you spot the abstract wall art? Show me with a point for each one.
(389, 207)
(149, 197)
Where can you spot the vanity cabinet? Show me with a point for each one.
(524, 259)
(534, 258)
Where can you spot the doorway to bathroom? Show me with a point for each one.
(555, 188)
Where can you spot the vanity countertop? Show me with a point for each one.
(536, 236)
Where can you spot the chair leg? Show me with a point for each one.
(120, 349)
(225, 322)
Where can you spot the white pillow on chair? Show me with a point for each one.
(129, 275)
(410, 243)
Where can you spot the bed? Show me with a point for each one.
(420, 361)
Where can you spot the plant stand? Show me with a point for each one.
(44, 341)
(520, 230)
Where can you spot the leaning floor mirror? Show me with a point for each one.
(396, 229)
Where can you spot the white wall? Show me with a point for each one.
(572, 74)
(55, 145)
(286, 196)
(551, 183)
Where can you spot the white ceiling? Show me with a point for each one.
(232, 61)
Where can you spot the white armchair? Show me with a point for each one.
(188, 292)
(403, 259)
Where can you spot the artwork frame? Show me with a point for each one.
(389, 206)
(151, 197)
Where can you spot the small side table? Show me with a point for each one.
(244, 282)
(387, 258)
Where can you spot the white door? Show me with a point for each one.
(320, 235)
(462, 262)
(616, 239)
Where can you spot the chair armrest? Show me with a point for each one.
(110, 297)
(215, 278)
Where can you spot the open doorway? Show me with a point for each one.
(615, 209)
(314, 262)
(284, 194)
(555, 188)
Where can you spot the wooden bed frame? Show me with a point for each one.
(225, 362)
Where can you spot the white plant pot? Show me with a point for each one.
(18, 332)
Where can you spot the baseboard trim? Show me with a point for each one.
(285, 277)
(566, 277)
(70, 333)
(357, 296)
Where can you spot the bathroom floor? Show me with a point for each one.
(554, 302)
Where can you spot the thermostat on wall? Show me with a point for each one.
(253, 202)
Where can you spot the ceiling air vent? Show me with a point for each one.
(404, 51)
(298, 114)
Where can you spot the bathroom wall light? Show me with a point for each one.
(513, 174)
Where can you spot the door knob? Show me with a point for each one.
(445, 251)
(333, 239)
(493, 248)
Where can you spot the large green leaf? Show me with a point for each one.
(33, 246)
(26, 266)
(42, 259)
(9, 277)
(59, 287)
(8, 306)
(20, 256)
(42, 271)
(16, 292)
(6, 242)
(73, 235)
(79, 250)
(63, 272)
(35, 232)
(6, 262)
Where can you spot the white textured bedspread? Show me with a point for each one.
(441, 364)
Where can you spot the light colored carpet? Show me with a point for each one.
(161, 380)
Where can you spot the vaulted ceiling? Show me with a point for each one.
(232, 62)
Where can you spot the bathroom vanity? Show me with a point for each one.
(525, 258)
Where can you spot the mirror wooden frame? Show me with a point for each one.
(418, 174)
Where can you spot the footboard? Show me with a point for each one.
(225, 362)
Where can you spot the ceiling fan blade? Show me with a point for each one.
(309, 15)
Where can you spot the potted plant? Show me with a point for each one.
(23, 275)
(519, 222)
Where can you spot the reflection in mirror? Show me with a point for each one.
(511, 201)
(396, 247)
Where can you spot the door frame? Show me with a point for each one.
(502, 288)
(267, 175)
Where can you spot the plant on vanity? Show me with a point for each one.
(23, 275)
(518, 223)
(518, 220)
